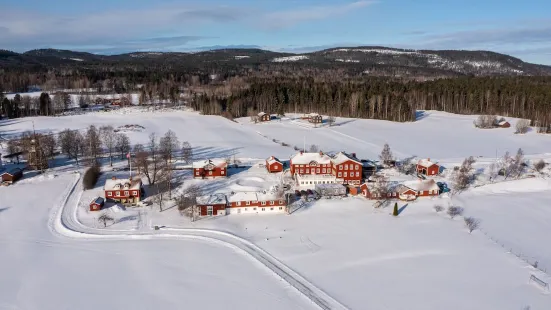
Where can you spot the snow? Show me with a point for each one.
(212, 199)
(242, 196)
(290, 58)
(376, 50)
(422, 185)
(242, 57)
(342, 157)
(347, 60)
(425, 163)
(76, 59)
(307, 158)
(272, 160)
(214, 162)
(115, 184)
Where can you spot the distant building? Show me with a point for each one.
(315, 118)
(97, 204)
(274, 165)
(123, 190)
(503, 124)
(11, 176)
(407, 191)
(309, 181)
(348, 168)
(264, 117)
(213, 205)
(210, 168)
(426, 167)
(330, 190)
(310, 163)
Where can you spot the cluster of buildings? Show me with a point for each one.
(313, 118)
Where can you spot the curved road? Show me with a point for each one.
(64, 223)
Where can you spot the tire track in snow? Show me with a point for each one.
(63, 222)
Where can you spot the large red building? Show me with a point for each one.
(212, 205)
(310, 163)
(255, 202)
(426, 167)
(274, 165)
(210, 168)
(348, 168)
(123, 190)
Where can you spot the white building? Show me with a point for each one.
(309, 181)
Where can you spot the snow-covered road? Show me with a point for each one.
(64, 222)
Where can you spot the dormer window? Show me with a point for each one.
(313, 163)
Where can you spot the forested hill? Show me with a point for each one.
(354, 61)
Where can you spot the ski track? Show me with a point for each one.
(63, 222)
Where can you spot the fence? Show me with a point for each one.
(542, 284)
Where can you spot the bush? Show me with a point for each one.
(438, 208)
(91, 177)
(485, 121)
(522, 126)
(455, 211)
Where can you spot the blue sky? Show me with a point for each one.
(519, 28)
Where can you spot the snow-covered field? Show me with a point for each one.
(361, 257)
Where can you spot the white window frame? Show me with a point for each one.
(109, 194)
(196, 172)
(272, 202)
(281, 202)
(238, 203)
(340, 175)
(248, 203)
(346, 167)
(263, 203)
(222, 172)
(345, 175)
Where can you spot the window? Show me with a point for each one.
(271, 209)
(248, 203)
(135, 193)
(345, 174)
(301, 171)
(340, 167)
(263, 203)
(238, 203)
(210, 172)
(245, 209)
(280, 208)
(340, 174)
(307, 171)
(109, 194)
(196, 172)
(222, 172)
(254, 209)
(272, 202)
(324, 170)
(345, 167)
(281, 202)
(358, 174)
(117, 193)
(420, 192)
(263, 209)
(318, 170)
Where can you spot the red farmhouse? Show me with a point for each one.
(348, 168)
(407, 191)
(123, 190)
(274, 165)
(210, 168)
(310, 163)
(424, 188)
(212, 205)
(426, 167)
(97, 204)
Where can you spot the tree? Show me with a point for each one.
(539, 165)
(493, 171)
(104, 218)
(47, 144)
(486, 121)
(109, 140)
(187, 201)
(407, 166)
(90, 177)
(45, 104)
(314, 148)
(161, 187)
(331, 120)
(518, 163)
(187, 152)
(522, 126)
(386, 155)
(471, 223)
(71, 143)
(381, 188)
(463, 177)
(122, 144)
(93, 144)
(438, 208)
(395, 211)
(150, 163)
(168, 145)
(454, 211)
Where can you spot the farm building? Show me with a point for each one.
(210, 168)
(330, 190)
(97, 204)
(255, 202)
(309, 181)
(264, 117)
(503, 124)
(394, 191)
(274, 165)
(11, 176)
(348, 168)
(123, 190)
(368, 167)
(212, 205)
(310, 163)
(315, 118)
(424, 188)
(426, 167)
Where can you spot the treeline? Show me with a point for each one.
(389, 99)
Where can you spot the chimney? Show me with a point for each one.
(301, 152)
(321, 153)
(354, 155)
(113, 178)
(428, 159)
(272, 158)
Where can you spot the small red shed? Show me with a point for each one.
(12, 175)
(264, 117)
(274, 165)
(212, 205)
(97, 204)
(426, 167)
(504, 124)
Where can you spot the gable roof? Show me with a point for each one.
(98, 201)
(307, 158)
(261, 114)
(273, 160)
(343, 157)
(134, 184)
(422, 185)
(426, 163)
(214, 199)
(202, 163)
(242, 196)
(12, 171)
(503, 123)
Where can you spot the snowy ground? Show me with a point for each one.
(363, 258)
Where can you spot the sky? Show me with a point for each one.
(518, 28)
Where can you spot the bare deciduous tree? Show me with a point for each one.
(314, 148)
(48, 145)
(93, 144)
(463, 177)
(485, 121)
(187, 152)
(331, 120)
(150, 163)
(539, 165)
(522, 126)
(104, 218)
(386, 155)
(454, 211)
(122, 144)
(472, 223)
(187, 201)
(108, 138)
(168, 145)
(71, 143)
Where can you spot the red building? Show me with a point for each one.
(406, 191)
(123, 190)
(11, 176)
(310, 163)
(348, 168)
(274, 165)
(264, 117)
(212, 205)
(426, 167)
(504, 124)
(97, 204)
(210, 168)
(424, 188)
(315, 118)
(255, 202)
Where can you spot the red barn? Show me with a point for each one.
(274, 165)
(310, 163)
(426, 167)
(123, 190)
(212, 205)
(12, 175)
(504, 124)
(264, 117)
(210, 168)
(423, 188)
(348, 168)
(97, 204)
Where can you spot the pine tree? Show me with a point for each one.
(395, 212)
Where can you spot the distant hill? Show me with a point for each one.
(370, 60)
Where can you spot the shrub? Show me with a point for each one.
(91, 177)
(454, 211)
(522, 126)
(471, 223)
(438, 208)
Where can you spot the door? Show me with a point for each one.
(209, 211)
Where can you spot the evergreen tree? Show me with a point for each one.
(395, 212)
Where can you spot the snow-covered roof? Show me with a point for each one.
(214, 162)
(343, 157)
(97, 200)
(422, 185)
(261, 114)
(11, 171)
(425, 163)
(502, 123)
(267, 195)
(214, 199)
(117, 184)
(307, 158)
(242, 196)
(330, 186)
(313, 115)
(273, 160)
